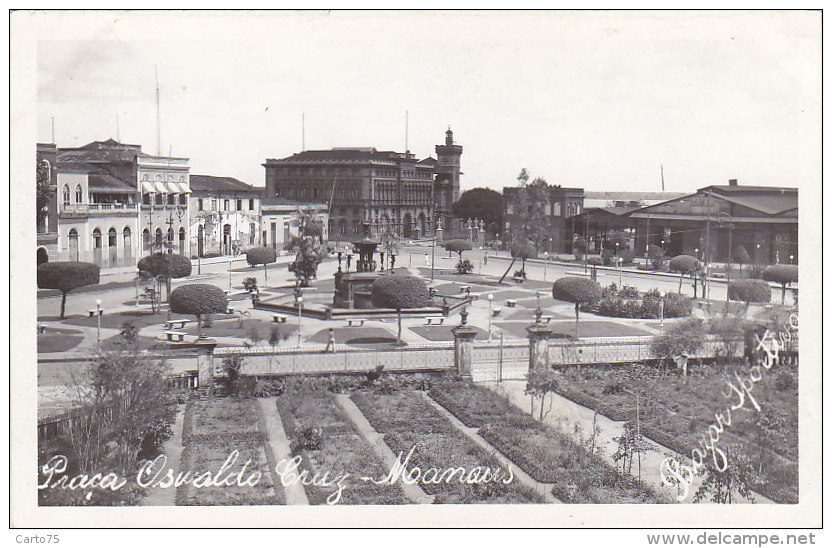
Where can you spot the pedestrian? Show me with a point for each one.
(427, 260)
(485, 258)
(331, 343)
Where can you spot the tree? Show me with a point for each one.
(741, 256)
(263, 256)
(523, 251)
(540, 383)
(783, 274)
(458, 246)
(66, 276)
(164, 267)
(656, 256)
(531, 221)
(722, 487)
(686, 264)
(198, 299)
(43, 190)
(581, 291)
(523, 177)
(309, 247)
(685, 337)
(481, 203)
(399, 292)
(749, 291)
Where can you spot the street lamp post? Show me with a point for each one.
(229, 274)
(545, 263)
(619, 260)
(490, 300)
(661, 310)
(300, 316)
(97, 312)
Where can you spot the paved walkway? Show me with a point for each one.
(413, 492)
(278, 444)
(542, 489)
(564, 410)
(158, 496)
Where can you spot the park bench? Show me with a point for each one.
(546, 318)
(355, 322)
(496, 311)
(438, 319)
(175, 336)
(519, 279)
(511, 303)
(230, 310)
(176, 324)
(41, 328)
(465, 289)
(279, 318)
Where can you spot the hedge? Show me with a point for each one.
(581, 291)
(198, 299)
(749, 291)
(783, 274)
(399, 292)
(686, 264)
(66, 276)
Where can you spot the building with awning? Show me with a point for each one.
(716, 220)
(225, 215)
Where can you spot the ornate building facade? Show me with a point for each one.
(393, 191)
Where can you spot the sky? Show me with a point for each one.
(598, 100)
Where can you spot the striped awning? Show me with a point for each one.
(148, 188)
(173, 188)
(184, 188)
(160, 187)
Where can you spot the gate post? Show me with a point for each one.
(205, 366)
(463, 346)
(539, 336)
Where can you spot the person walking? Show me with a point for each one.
(331, 343)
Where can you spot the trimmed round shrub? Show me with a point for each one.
(458, 246)
(749, 291)
(523, 250)
(783, 274)
(400, 292)
(260, 255)
(686, 264)
(594, 260)
(166, 265)
(198, 300)
(581, 291)
(66, 276)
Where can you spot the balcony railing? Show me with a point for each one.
(98, 208)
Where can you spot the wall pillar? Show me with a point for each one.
(539, 336)
(205, 366)
(464, 346)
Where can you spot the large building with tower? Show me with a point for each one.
(393, 191)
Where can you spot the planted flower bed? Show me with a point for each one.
(407, 421)
(548, 455)
(212, 429)
(676, 412)
(326, 440)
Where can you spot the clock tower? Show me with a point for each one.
(447, 176)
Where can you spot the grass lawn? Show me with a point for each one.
(407, 421)
(546, 454)
(212, 430)
(116, 342)
(340, 450)
(229, 328)
(355, 335)
(676, 412)
(527, 314)
(586, 328)
(57, 342)
(443, 332)
(140, 318)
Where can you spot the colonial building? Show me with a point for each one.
(280, 220)
(154, 188)
(393, 191)
(763, 220)
(225, 215)
(552, 206)
(47, 215)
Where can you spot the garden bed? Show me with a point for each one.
(212, 429)
(676, 413)
(340, 449)
(406, 420)
(546, 454)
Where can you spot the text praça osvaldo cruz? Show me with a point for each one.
(156, 474)
(677, 474)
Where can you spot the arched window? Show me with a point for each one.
(145, 240)
(158, 236)
(182, 241)
(127, 236)
(112, 237)
(79, 194)
(96, 238)
(144, 178)
(66, 195)
(170, 235)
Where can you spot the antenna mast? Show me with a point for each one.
(662, 168)
(158, 127)
(302, 131)
(53, 129)
(405, 130)
(118, 133)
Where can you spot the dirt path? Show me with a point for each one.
(278, 445)
(566, 410)
(157, 496)
(542, 489)
(413, 492)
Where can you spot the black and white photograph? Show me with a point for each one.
(370, 268)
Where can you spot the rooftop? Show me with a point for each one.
(220, 184)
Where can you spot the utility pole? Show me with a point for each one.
(302, 131)
(158, 127)
(53, 129)
(707, 286)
